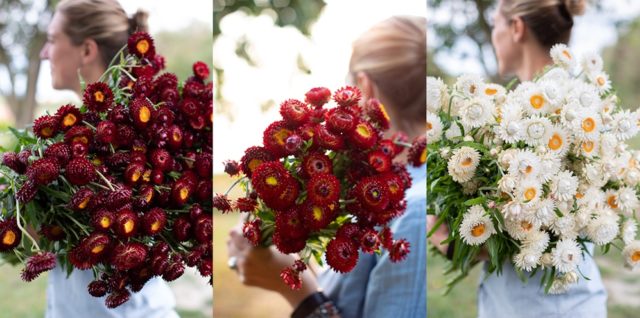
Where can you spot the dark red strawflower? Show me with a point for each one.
(387, 147)
(351, 232)
(299, 266)
(370, 242)
(318, 216)
(181, 192)
(141, 112)
(80, 171)
(58, 151)
(294, 112)
(270, 180)
(418, 151)
(182, 229)
(78, 149)
(166, 81)
(82, 134)
(96, 245)
(375, 110)
(175, 137)
(201, 70)
(98, 288)
(153, 222)
(159, 62)
(275, 138)
(27, 192)
(341, 255)
(195, 211)
(293, 144)
(204, 165)
(340, 120)
(102, 220)
(204, 191)
(193, 88)
(386, 237)
(38, 264)
(10, 235)
(106, 132)
(68, 116)
(52, 232)
(290, 223)
(291, 278)
(126, 134)
(173, 271)
(159, 264)
(23, 157)
(373, 194)
(318, 96)
(231, 167)
(326, 139)
(128, 256)
(254, 157)
(126, 223)
(399, 250)
(117, 298)
(347, 96)
(45, 127)
(205, 268)
(251, 231)
(246, 204)
(323, 189)
(288, 245)
(364, 136)
(10, 159)
(160, 249)
(141, 45)
(287, 197)
(379, 161)
(80, 200)
(79, 259)
(133, 173)
(395, 186)
(203, 228)
(401, 171)
(43, 171)
(98, 97)
(117, 199)
(161, 159)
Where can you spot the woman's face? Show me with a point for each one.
(502, 41)
(64, 56)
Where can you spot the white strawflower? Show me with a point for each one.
(601, 81)
(628, 230)
(525, 164)
(476, 227)
(506, 157)
(529, 191)
(569, 112)
(537, 241)
(566, 255)
(608, 105)
(628, 200)
(434, 128)
(477, 112)
(445, 152)
(558, 140)
(546, 260)
(565, 227)
(453, 131)
(608, 144)
(562, 56)
(518, 227)
(603, 229)
(595, 175)
(564, 185)
(632, 177)
(625, 125)
(463, 164)
(467, 138)
(556, 75)
(527, 259)
(550, 165)
(535, 102)
(510, 131)
(588, 148)
(591, 63)
(611, 198)
(583, 217)
(586, 125)
(631, 254)
(470, 187)
(469, 85)
(570, 277)
(494, 91)
(586, 95)
(559, 287)
(542, 214)
(593, 198)
(437, 95)
(552, 93)
(512, 211)
(507, 183)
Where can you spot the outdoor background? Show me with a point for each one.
(266, 51)
(459, 41)
(182, 31)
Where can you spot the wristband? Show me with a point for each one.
(310, 304)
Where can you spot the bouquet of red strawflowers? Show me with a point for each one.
(324, 182)
(112, 186)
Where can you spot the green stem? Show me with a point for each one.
(90, 126)
(105, 180)
(99, 186)
(18, 217)
(80, 225)
(234, 184)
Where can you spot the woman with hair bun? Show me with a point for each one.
(523, 33)
(82, 39)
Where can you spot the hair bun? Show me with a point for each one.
(138, 22)
(575, 7)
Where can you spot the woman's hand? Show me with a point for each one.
(261, 267)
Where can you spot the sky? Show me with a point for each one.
(326, 53)
(592, 31)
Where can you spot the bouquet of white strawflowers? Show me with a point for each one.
(533, 175)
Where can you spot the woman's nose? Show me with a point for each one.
(44, 53)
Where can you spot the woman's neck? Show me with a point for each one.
(534, 60)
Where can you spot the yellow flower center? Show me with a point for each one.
(136, 176)
(97, 249)
(281, 136)
(146, 176)
(145, 114)
(579, 195)
(149, 196)
(423, 156)
(69, 120)
(128, 226)
(566, 54)
(611, 200)
(429, 126)
(601, 81)
(46, 131)
(155, 226)
(530, 194)
(588, 124)
(588, 146)
(142, 46)
(105, 222)
(254, 163)
(528, 169)
(478, 230)
(635, 256)
(83, 204)
(363, 130)
(317, 213)
(184, 193)
(82, 139)
(555, 142)
(384, 112)
(98, 96)
(526, 225)
(490, 91)
(537, 101)
(9, 238)
(465, 163)
(272, 181)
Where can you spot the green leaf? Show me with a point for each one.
(479, 200)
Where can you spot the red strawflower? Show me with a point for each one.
(106, 132)
(203, 228)
(102, 219)
(318, 96)
(418, 151)
(59, 151)
(11, 160)
(141, 112)
(159, 264)
(96, 245)
(399, 250)
(231, 167)
(174, 270)
(182, 229)
(23, 157)
(386, 237)
(351, 232)
(401, 171)
(205, 267)
(141, 45)
(290, 223)
(126, 134)
(288, 245)
(82, 134)
(251, 231)
(364, 136)
(275, 138)
(347, 96)
(370, 242)
(133, 173)
(270, 180)
(98, 97)
(299, 266)
(43, 171)
(195, 211)
(119, 198)
(379, 161)
(181, 192)
(254, 157)
(201, 70)
(161, 159)
(293, 144)
(79, 259)
(128, 256)
(204, 190)
(27, 192)
(52, 232)
(10, 235)
(342, 255)
(68, 116)
(326, 139)
(98, 288)
(80, 171)
(159, 62)
(294, 112)
(291, 278)
(117, 298)
(45, 127)
(395, 186)
(246, 204)
(317, 216)
(166, 81)
(175, 137)
(153, 222)
(316, 163)
(38, 264)
(375, 110)
(204, 165)
(340, 120)
(387, 147)
(399, 137)
(126, 223)
(193, 88)
(373, 194)
(323, 189)
(78, 149)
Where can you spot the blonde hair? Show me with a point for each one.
(393, 55)
(104, 21)
(550, 21)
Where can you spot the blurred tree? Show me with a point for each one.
(617, 59)
(180, 61)
(22, 36)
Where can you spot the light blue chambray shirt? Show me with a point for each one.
(376, 287)
(506, 296)
(69, 298)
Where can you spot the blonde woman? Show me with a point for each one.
(523, 33)
(389, 63)
(83, 37)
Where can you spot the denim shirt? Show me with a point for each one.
(69, 298)
(376, 287)
(506, 296)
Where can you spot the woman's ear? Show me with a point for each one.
(518, 29)
(90, 53)
(365, 85)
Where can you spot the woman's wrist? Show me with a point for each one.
(315, 305)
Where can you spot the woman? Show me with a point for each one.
(523, 33)
(83, 37)
(388, 62)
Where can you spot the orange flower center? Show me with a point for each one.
(56, 230)
(128, 226)
(465, 163)
(146, 176)
(105, 222)
(579, 195)
(588, 124)
(69, 120)
(587, 146)
(490, 91)
(184, 193)
(254, 163)
(9, 238)
(635, 256)
(97, 249)
(281, 136)
(142, 46)
(601, 81)
(566, 54)
(611, 200)
(98, 96)
(530, 193)
(177, 136)
(136, 176)
(384, 112)
(145, 114)
(363, 131)
(555, 142)
(83, 204)
(528, 169)
(155, 226)
(149, 196)
(46, 131)
(82, 139)
(526, 225)
(429, 126)
(478, 230)
(537, 101)
(423, 156)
